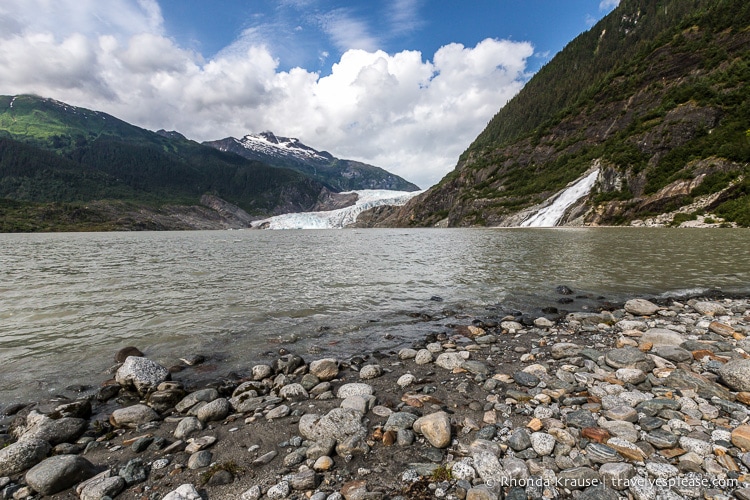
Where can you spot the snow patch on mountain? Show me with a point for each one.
(337, 219)
(271, 144)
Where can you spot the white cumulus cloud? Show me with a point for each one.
(408, 112)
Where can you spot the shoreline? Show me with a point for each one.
(583, 404)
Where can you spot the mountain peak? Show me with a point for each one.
(270, 143)
(290, 152)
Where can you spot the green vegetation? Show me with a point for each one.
(680, 218)
(229, 466)
(26, 217)
(54, 153)
(655, 92)
(737, 209)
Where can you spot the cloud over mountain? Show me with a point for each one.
(408, 112)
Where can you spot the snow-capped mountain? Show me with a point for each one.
(341, 175)
(289, 147)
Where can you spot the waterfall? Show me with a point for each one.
(550, 215)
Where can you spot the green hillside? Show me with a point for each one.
(655, 95)
(53, 152)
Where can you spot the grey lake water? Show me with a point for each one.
(69, 301)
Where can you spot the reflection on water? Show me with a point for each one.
(69, 301)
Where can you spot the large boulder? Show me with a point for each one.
(339, 424)
(142, 374)
(641, 307)
(736, 374)
(662, 337)
(629, 357)
(325, 369)
(61, 430)
(133, 416)
(21, 455)
(59, 473)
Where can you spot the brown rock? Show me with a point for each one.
(595, 434)
(535, 424)
(389, 437)
(436, 428)
(646, 346)
(702, 353)
(631, 452)
(671, 453)
(743, 397)
(123, 353)
(727, 462)
(721, 329)
(741, 437)
(325, 369)
(354, 490)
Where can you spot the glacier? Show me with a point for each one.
(340, 218)
(551, 215)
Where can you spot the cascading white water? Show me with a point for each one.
(550, 215)
(336, 219)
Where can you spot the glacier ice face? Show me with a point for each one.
(550, 215)
(336, 219)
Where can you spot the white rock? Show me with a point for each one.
(143, 374)
(253, 493)
(463, 470)
(368, 372)
(542, 443)
(354, 389)
(406, 380)
(423, 357)
(184, 492)
(278, 491)
(449, 360)
(293, 392)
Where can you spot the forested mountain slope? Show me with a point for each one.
(655, 96)
(51, 152)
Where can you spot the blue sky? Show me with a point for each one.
(402, 84)
(296, 29)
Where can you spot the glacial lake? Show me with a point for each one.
(69, 301)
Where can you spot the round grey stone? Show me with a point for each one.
(542, 443)
(218, 409)
(133, 416)
(526, 379)
(187, 426)
(200, 459)
(368, 372)
(59, 473)
(628, 357)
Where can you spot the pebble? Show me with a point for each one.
(542, 443)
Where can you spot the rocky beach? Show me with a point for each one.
(644, 401)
